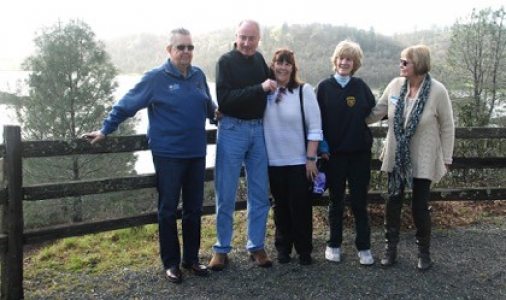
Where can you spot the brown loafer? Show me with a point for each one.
(196, 268)
(218, 261)
(261, 259)
(174, 275)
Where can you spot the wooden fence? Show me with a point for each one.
(13, 236)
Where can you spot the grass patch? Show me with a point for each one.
(135, 248)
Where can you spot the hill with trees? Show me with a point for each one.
(312, 44)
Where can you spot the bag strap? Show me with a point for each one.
(301, 97)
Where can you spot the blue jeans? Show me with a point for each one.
(241, 142)
(176, 177)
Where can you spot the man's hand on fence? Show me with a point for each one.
(94, 137)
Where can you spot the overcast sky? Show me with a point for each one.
(20, 19)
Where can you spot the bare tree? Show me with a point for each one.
(477, 61)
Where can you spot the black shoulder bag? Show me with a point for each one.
(318, 186)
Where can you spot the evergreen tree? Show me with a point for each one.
(70, 90)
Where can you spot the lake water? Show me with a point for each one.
(9, 80)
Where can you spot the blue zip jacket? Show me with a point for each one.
(177, 110)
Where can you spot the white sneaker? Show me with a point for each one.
(333, 254)
(365, 257)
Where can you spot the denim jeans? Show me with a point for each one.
(241, 142)
(177, 177)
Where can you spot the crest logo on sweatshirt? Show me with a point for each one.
(350, 100)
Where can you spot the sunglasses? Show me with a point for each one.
(187, 47)
(281, 92)
(404, 62)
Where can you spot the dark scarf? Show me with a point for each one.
(402, 174)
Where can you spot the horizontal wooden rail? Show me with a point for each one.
(118, 144)
(77, 229)
(49, 233)
(112, 144)
(89, 187)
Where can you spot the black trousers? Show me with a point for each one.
(293, 210)
(419, 209)
(352, 170)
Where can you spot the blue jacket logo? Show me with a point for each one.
(174, 87)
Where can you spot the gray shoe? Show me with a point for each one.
(333, 254)
(424, 262)
(366, 258)
(389, 257)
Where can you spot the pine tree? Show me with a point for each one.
(70, 90)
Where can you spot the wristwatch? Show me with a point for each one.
(311, 158)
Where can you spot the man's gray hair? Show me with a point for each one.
(174, 32)
(255, 23)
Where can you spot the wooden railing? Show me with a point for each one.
(13, 236)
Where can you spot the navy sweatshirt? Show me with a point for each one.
(343, 113)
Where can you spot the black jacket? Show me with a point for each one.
(238, 85)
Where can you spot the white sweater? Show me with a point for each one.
(283, 130)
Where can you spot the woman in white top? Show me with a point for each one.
(292, 156)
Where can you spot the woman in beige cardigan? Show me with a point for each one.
(419, 146)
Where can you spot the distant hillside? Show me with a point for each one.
(313, 45)
(438, 40)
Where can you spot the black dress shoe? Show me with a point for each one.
(174, 275)
(196, 268)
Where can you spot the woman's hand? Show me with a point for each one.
(311, 170)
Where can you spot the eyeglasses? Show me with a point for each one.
(281, 91)
(187, 47)
(404, 62)
(250, 38)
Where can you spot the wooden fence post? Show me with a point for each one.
(12, 260)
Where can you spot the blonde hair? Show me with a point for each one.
(348, 48)
(420, 56)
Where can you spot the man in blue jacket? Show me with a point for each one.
(178, 101)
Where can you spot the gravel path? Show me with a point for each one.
(469, 264)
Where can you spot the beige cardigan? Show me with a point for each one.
(432, 144)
